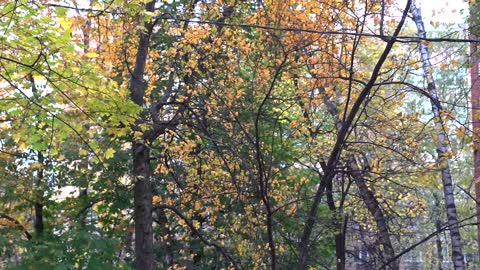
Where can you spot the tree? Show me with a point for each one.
(225, 134)
(442, 148)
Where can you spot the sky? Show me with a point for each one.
(444, 11)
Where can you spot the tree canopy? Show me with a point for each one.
(226, 134)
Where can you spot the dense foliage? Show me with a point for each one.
(225, 134)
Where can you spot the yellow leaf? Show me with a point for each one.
(36, 165)
(91, 54)
(156, 199)
(292, 210)
(181, 222)
(64, 23)
(198, 205)
(109, 153)
(82, 152)
(162, 169)
(196, 224)
(22, 146)
(448, 154)
(330, 91)
(460, 131)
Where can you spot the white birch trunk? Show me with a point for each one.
(442, 146)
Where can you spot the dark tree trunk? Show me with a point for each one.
(338, 221)
(334, 157)
(143, 207)
(141, 158)
(39, 227)
(340, 250)
(38, 223)
(373, 206)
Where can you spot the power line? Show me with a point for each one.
(82, 9)
(168, 17)
(404, 39)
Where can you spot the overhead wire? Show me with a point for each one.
(169, 17)
(404, 39)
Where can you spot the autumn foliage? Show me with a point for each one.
(231, 134)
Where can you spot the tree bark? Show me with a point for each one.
(38, 223)
(373, 206)
(340, 249)
(442, 147)
(339, 222)
(438, 226)
(144, 258)
(143, 207)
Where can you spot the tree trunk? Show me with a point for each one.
(373, 206)
(336, 152)
(339, 223)
(143, 207)
(340, 249)
(438, 227)
(442, 147)
(141, 158)
(38, 223)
